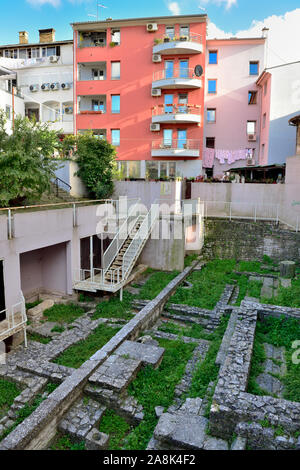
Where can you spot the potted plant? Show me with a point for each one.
(183, 38)
(113, 44)
(166, 39)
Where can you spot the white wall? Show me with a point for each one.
(285, 103)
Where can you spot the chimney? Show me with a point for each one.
(47, 35)
(23, 37)
(265, 32)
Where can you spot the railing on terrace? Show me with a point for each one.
(15, 319)
(163, 109)
(174, 144)
(183, 73)
(252, 211)
(191, 37)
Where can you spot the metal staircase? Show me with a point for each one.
(122, 254)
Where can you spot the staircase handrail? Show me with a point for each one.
(120, 237)
(139, 239)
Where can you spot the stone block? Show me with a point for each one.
(96, 440)
(146, 353)
(35, 314)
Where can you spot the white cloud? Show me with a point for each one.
(283, 38)
(227, 3)
(174, 8)
(38, 3)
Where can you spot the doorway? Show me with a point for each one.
(2, 292)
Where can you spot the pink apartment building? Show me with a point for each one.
(140, 84)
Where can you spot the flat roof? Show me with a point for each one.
(133, 21)
(259, 167)
(55, 43)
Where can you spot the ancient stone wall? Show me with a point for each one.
(248, 240)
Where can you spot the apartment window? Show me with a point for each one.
(168, 103)
(134, 169)
(252, 97)
(116, 36)
(115, 137)
(182, 138)
(22, 53)
(169, 68)
(170, 32)
(211, 115)
(184, 30)
(152, 170)
(115, 70)
(115, 104)
(210, 142)
(11, 53)
(8, 111)
(213, 57)
(253, 68)
(168, 137)
(264, 120)
(48, 51)
(184, 69)
(157, 169)
(98, 105)
(251, 127)
(98, 74)
(100, 134)
(182, 103)
(212, 86)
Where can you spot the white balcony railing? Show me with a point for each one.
(177, 72)
(191, 37)
(176, 144)
(165, 109)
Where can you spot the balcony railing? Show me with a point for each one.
(176, 144)
(163, 109)
(192, 37)
(181, 73)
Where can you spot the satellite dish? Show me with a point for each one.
(198, 70)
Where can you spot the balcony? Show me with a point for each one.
(176, 148)
(92, 104)
(191, 44)
(169, 114)
(177, 78)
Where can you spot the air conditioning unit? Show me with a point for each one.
(156, 92)
(54, 86)
(53, 58)
(250, 162)
(33, 88)
(152, 27)
(156, 58)
(252, 137)
(45, 87)
(69, 109)
(65, 86)
(154, 127)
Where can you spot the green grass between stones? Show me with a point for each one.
(155, 387)
(193, 331)
(156, 283)
(38, 338)
(278, 332)
(65, 443)
(8, 392)
(63, 313)
(80, 352)
(286, 297)
(116, 427)
(114, 308)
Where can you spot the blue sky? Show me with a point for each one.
(228, 15)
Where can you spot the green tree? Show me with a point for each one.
(96, 159)
(26, 160)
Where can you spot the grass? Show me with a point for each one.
(154, 285)
(8, 392)
(209, 283)
(286, 297)
(65, 443)
(80, 352)
(39, 338)
(189, 259)
(33, 304)
(116, 427)
(280, 332)
(114, 308)
(58, 329)
(193, 331)
(155, 387)
(207, 371)
(62, 313)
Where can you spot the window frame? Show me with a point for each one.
(111, 70)
(256, 94)
(112, 99)
(208, 82)
(252, 62)
(119, 141)
(215, 111)
(213, 51)
(255, 127)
